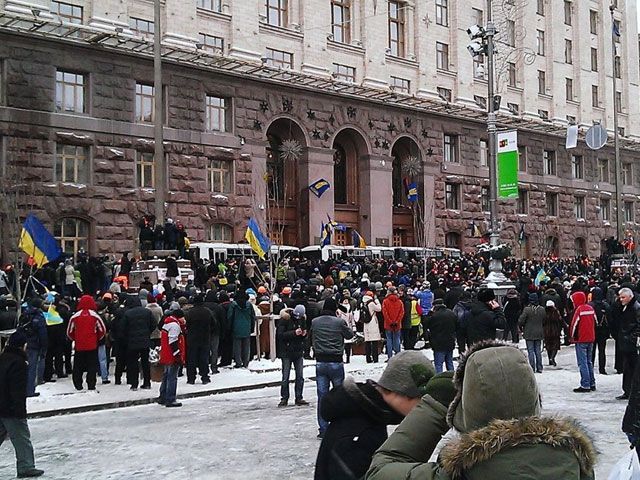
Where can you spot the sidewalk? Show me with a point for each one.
(61, 398)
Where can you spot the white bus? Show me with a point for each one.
(219, 252)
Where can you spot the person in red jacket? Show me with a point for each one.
(172, 356)
(393, 314)
(86, 329)
(582, 332)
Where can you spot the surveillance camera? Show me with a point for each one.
(119, 29)
(199, 46)
(475, 31)
(476, 48)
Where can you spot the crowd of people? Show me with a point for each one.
(80, 317)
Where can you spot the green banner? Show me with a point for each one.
(508, 164)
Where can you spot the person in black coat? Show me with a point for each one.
(512, 310)
(486, 316)
(226, 335)
(13, 404)
(626, 315)
(219, 317)
(603, 313)
(137, 324)
(172, 270)
(441, 323)
(199, 319)
(631, 419)
(290, 344)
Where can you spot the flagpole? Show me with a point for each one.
(620, 220)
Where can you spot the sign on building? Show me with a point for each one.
(508, 164)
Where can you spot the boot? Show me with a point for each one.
(32, 472)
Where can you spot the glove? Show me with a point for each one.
(441, 388)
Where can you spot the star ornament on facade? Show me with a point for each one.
(290, 150)
(264, 106)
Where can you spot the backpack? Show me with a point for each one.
(365, 314)
(463, 312)
(26, 325)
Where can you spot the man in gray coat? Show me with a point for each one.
(328, 334)
(531, 321)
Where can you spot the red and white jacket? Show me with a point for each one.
(86, 328)
(583, 323)
(172, 344)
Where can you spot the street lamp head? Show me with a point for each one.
(475, 31)
(476, 48)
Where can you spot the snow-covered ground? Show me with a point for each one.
(244, 435)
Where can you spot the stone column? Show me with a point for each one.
(376, 199)
(374, 19)
(317, 164)
(244, 42)
(314, 53)
(410, 22)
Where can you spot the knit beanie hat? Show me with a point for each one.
(441, 388)
(330, 305)
(533, 299)
(299, 311)
(407, 373)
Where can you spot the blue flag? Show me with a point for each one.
(358, 240)
(259, 243)
(38, 243)
(540, 277)
(319, 187)
(325, 235)
(412, 192)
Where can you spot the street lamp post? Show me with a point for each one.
(491, 130)
(158, 153)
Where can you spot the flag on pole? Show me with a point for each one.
(38, 243)
(325, 235)
(540, 277)
(258, 242)
(412, 192)
(335, 225)
(319, 187)
(358, 240)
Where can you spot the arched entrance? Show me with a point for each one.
(408, 212)
(349, 149)
(552, 246)
(285, 150)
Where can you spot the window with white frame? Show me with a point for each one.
(549, 162)
(568, 14)
(617, 67)
(542, 82)
(605, 209)
(216, 109)
(220, 232)
(442, 12)
(452, 196)
(344, 73)
(445, 94)
(603, 170)
(593, 22)
(629, 211)
(577, 166)
(72, 164)
(66, 12)
(540, 42)
(276, 12)
(479, 70)
(453, 240)
(70, 92)
(142, 27)
(72, 234)
(442, 56)
(341, 20)
(279, 58)
(219, 173)
(451, 148)
(540, 7)
(211, 5)
(211, 43)
(145, 104)
(627, 173)
(511, 33)
(594, 59)
(568, 86)
(401, 85)
(511, 73)
(595, 97)
(568, 51)
(145, 171)
(551, 200)
(579, 208)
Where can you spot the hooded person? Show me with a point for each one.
(532, 323)
(492, 429)
(485, 317)
(369, 310)
(393, 314)
(358, 414)
(137, 325)
(582, 332)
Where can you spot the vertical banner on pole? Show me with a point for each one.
(508, 164)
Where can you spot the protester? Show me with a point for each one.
(393, 314)
(582, 334)
(552, 327)
(172, 356)
(441, 324)
(345, 312)
(603, 313)
(626, 313)
(199, 320)
(34, 326)
(532, 323)
(369, 311)
(512, 310)
(290, 336)
(137, 326)
(242, 318)
(485, 317)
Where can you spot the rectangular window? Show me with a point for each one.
(145, 104)
(344, 73)
(579, 207)
(442, 12)
(341, 20)
(480, 101)
(70, 92)
(605, 209)
(513, 108)
(485, 196)
(279, 59)
(567, 12)
(276, 12)
(396, 28)
(568, 51)
(478, 16)
(593, 22)
(595, 99)
(211, 5)
(401, 85)
(577, 166)
(216, 113)
(484, 153)
(66, 12)
(72, 164)
(442, 56)
(219, 176)
(523, 202)
(444, 94)
(522, 158)
(452, 196)
(618, 102)
(569, 89)
(540, 42)
(594, 59)
(145, 173)
(144, 28)
(511, 70)
(540, 7)
(479, 69)
(627, 174)
(618, 28)
(549, 162)
(511, 33)
(551, 199)
(211, 43)
(542, 82)
(451, 148)
(603, 170)
(629, 212)
(543, 114)
(617, 67)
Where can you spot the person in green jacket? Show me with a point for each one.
(242, 318)
(492, 429)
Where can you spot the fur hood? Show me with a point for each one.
(481, 445)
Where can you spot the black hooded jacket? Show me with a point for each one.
(219, 313)
(358, 419)
(483, 322)
(603, 313)
(137, 324)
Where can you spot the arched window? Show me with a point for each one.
(580, 246)
(452, 240)
(220, 232)
(339, 175)
(73, 235)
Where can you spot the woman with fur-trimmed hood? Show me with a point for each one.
(492, 429)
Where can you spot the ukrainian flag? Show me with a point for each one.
(325, 235)
(358, 240)
(258, 242)
(540, 277)
(52, 316)
(38, 243)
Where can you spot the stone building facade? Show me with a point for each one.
(75, 129)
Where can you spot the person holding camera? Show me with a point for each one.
(290, 337)
(485, 317)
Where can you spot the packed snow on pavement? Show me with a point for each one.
(244, 435)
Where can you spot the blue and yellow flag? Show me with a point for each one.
(540, 277)
(258, 242)
(38, 243)
(358, 240)
(412, 192)
(52, 316)
(319, 187)
(325, 235)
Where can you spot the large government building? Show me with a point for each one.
(262, 98)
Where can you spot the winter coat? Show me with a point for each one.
(426, 299)
(406, 320)
(69, 275)
(172, 343)
(358, 419)
(13, 383)
(441, 324)
(172, 268)
(199, 319)
(415, 313)
(627, 321)
(137, 325)
(371, 330)
(288, 344)
(86, 327)
(392, 312)
(512, 310)
(552, 328)
(603, 313)
(34, 325)
(532, 322)
(218, 311)
(483, 322)
(583, 323)
(328, 333)
(494, 435)
(242, 319)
